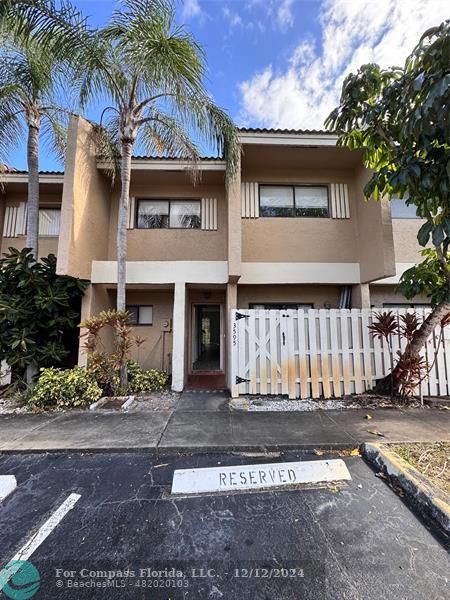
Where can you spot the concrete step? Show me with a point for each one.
(206, 380)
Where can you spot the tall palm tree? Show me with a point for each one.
(153, 73)
(28, 90)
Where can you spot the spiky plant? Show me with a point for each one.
(409, 325)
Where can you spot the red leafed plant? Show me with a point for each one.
(409, 371)
(110, 366)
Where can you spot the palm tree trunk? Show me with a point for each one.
(391, 383)
(122, 225)
(33, 190)
(122, 240)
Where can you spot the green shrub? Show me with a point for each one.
(145, 381)
(103, 368)
(65, 388)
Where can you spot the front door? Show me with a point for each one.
(207, 337)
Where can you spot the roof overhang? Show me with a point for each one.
(149, 164)
(288, 139)
(57, 178)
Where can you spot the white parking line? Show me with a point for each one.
(8, 484)
(36, 540)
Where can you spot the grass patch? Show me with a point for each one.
(431, 459)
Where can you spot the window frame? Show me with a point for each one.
(293, 186)
(50, 207)
(169, 200)
(138, 307)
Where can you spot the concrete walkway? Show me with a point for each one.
(202, 422)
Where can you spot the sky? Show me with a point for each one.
(281, 63)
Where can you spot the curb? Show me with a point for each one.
(181, 450)
(429, 499)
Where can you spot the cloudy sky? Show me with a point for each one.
(280, 63)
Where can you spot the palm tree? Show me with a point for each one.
(28, 88)
(152, 71)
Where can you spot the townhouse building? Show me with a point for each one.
(291, 230)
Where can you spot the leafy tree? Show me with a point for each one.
(29, 75)
(400, 117)
(38, 311)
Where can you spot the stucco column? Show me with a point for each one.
(178, 336)
(231, 305)
(233, 189)
(86, 313)
(361, 295)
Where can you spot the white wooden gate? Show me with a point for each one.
(321, 353)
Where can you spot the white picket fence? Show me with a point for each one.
(321, 353)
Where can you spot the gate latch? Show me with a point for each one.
(241, 380)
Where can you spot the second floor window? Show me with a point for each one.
(49, 221)
(293, 201)
(168, 214)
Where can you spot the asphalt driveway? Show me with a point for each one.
(125, 533)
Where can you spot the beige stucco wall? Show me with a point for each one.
(172, 244)
(375, 238)
(406, 246)
(319, 295)
(85, 205)
(47, 245)
(155, 352)
(379, 294)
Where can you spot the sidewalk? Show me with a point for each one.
(202, 422)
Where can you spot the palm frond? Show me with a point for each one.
(56, 25)
(107, 146)
(11, 119)
(163, 135)
(54, 131)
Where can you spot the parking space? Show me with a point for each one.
(126, 537)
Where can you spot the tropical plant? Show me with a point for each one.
(39, 311)
(29, 75)
(411, 370)
(153, 380)
(400, 117)
(384, 325)
(65, 388)
(106, 363)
